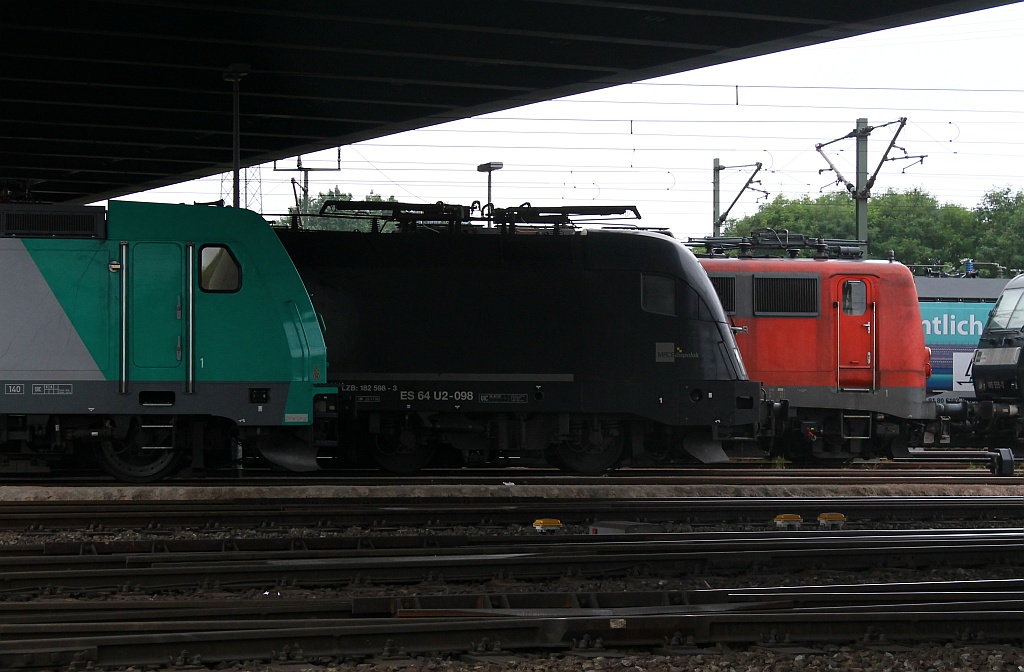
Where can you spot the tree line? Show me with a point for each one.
(336, 223)
(912, 224)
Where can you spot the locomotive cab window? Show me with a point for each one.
(1008, 312)
(219, 270)
(855, 297)
(658, 294)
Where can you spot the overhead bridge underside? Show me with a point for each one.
(105, 98)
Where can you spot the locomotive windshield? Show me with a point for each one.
(1008, 312)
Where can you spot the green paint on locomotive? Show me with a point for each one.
(262, 331)
(78, 275)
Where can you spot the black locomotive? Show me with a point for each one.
(998, 369)
(520, 340)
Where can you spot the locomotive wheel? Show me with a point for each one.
(142, 456)
(898, 447)
(588, 457)
(401, 453)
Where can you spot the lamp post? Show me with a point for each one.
(234, 74)
(489, 168)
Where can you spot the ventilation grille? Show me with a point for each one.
(786, 296)
(30, 221)
(725, 286)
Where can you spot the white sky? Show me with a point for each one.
(652, 144)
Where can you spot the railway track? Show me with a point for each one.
(915, 470)
(398, 642)
(266, 573)
(487, 558)
(308, 578)
(159, 518)
(210, 608)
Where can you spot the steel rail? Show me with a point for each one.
(792, 552)
(321, 510)
(25, 631)
(953, 470)
(496, 540)
(45, 612)
(946, 472)
(398, 638)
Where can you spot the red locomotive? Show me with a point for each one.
(836, 343)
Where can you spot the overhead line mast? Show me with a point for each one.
(720, 218)
(862, 191)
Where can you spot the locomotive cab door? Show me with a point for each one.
(856, 335)
(156, 310)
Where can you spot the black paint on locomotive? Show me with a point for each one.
(589, 348)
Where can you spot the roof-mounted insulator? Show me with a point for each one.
(780, 243)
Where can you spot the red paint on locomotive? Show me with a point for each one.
(839, 340)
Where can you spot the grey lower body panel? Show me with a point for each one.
(232, 400)
(907, 403)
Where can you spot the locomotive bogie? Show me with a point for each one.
(574, 442)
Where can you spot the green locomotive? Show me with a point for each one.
(140, 335)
